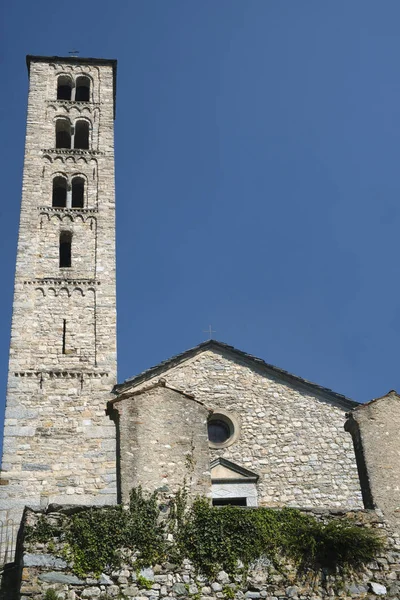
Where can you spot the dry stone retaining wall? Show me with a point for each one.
(43, 570)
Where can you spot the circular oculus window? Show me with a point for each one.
(218, 431)
(223, 430)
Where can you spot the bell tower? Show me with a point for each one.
(59, 445)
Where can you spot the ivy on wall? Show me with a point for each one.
(213, 538)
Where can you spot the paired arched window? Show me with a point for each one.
(81, 137)
(67, 91)
(68, 196)
(82, 90)
(64, 136)
(65, 249)
(59, 192)
(64, 87)
(63, 133)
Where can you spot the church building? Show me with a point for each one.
(222, 422)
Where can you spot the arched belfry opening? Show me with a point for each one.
(81, 138)
(78, 192)
(63, 133)
(82, 91)
(59, 196)
(64, 87)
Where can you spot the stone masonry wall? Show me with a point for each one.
(163, 442)
(58, 441)
(375, 428)
(292, 438)
(44, 567)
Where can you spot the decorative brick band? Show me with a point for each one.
(73, 102)
(72, 151)
(63, 211)
(61, 281)
(62, 374)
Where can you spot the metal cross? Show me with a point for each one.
(73, 52)
(210, 331)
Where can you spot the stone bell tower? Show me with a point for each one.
(59, 446)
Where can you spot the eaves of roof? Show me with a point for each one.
(252, 361)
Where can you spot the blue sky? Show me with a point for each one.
(257, 179)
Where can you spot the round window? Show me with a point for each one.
(218, 431)
(222, 430)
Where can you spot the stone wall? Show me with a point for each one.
(375, 430)
(44, 568)
(292, 437)
(58, 441)
(163, 441)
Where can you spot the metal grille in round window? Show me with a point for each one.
(220, 430)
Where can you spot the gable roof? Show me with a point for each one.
(250, 360)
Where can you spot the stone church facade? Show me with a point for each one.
(287, 432)
(230, 426)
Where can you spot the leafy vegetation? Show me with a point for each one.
(143, 582)
(96, 536)
(212, 538)
(42, 532)
(218, 538)
(50, 595)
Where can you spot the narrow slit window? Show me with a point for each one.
(65, 249)
(63, 133)
(64, 88)
(82, 91)
(81, 140)
(64, 335)
(78, 192)
(59, 192)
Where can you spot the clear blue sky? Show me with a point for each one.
(257, 176)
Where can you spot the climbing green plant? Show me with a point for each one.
(146, 529)
(213, 538)
(43, 531)
(96, 536)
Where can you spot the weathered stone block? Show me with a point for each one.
(43, 560)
